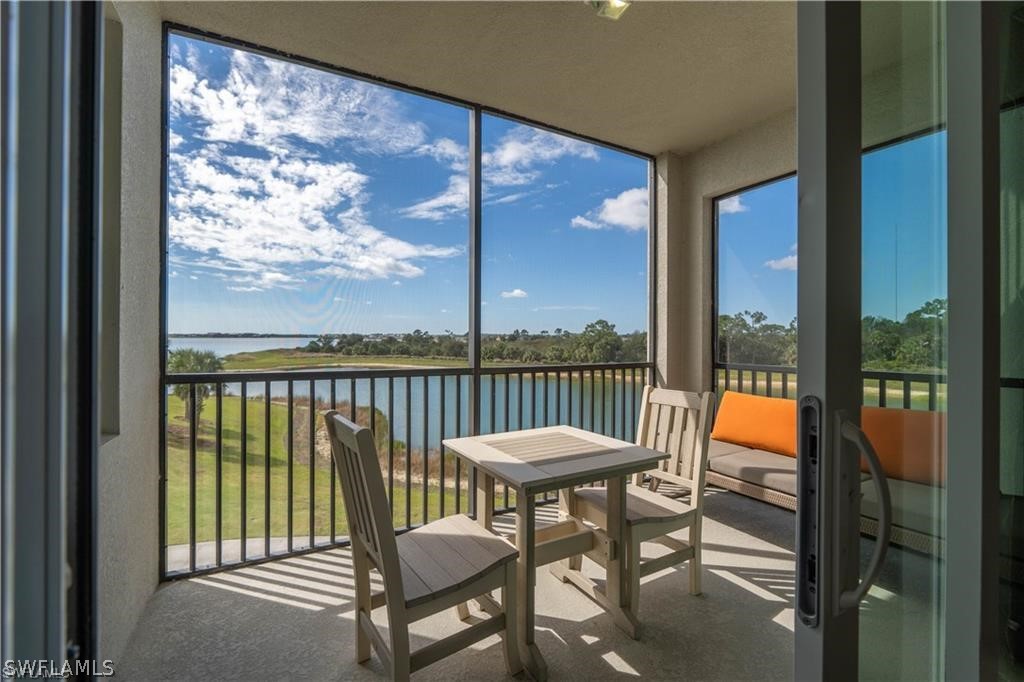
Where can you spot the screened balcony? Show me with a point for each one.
(230, 507)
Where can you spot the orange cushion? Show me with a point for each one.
(757, 422)
(910, 443)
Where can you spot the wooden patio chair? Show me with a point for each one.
(677, 423)
(427, 570)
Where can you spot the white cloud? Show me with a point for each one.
(174, 140)
(396, 283)
(453, 200)
(515, 293)
(272, 103)
(785, 263)
(628, 211)
(733, 204)
(565, 307)
(447, 151)
(255, 204)
(254, 218)
(514, 162)
(585, 223)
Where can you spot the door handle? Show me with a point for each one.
(849, 431)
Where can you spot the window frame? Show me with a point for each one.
(475, 112)
(715, 270)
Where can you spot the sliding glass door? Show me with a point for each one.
(899, 391)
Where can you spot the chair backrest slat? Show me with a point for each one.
(366, 503)
(679, 424)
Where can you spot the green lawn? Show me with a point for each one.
(177, 517)
(286, 358)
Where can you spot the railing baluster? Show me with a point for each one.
(333, 511)
(769, 382)
(243, 443)
(785, 384)
(568, 398)
(632, 404)
(311, 417)
(443, 381)
(882, 397)
(906, 394)
(506, 378)
(391, 445)
(458, 434)
(544, 388)
(558, 397)
(266, 468)
(592, 383)
(604, 401)
(582, 400)
(933, 390)
(519, 409)
(291, 463)
(192, 435)
(426, 450)
(218, 502)
(408, 451)
(753, 381)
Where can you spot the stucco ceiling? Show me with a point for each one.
(667, 76)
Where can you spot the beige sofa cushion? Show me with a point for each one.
(717, 448)
(914, 505)
(760, 467)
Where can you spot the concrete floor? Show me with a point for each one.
(292, 618)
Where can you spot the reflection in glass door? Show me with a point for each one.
(903, 343)
(1011, 478)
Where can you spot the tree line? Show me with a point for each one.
(918, 342)
(598, 342)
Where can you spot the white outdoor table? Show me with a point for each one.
(540, 460)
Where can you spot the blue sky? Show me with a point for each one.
(301, 201)
(904, 228)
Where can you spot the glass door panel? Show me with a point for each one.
(903, 313)
(1011, 479)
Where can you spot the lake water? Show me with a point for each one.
(229, 345)
(414, 408)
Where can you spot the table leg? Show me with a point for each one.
(619, 564)
(484, 499)
(526, 578)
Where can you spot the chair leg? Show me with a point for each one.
(462, 611)
(695, 562)
(401, 656)
(508, 607)
(361, 568)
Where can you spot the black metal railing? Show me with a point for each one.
(884, 388)
(246, 471)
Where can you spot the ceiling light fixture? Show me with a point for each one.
(610, 9)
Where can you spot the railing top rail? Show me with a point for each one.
(755, 367)
(342, 373)
(895, 375)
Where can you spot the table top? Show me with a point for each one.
(552, 457)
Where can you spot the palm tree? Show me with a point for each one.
(188, 360)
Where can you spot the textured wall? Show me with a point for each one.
(128, 513)
(686, 187)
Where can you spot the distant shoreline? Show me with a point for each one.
(248, 335)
